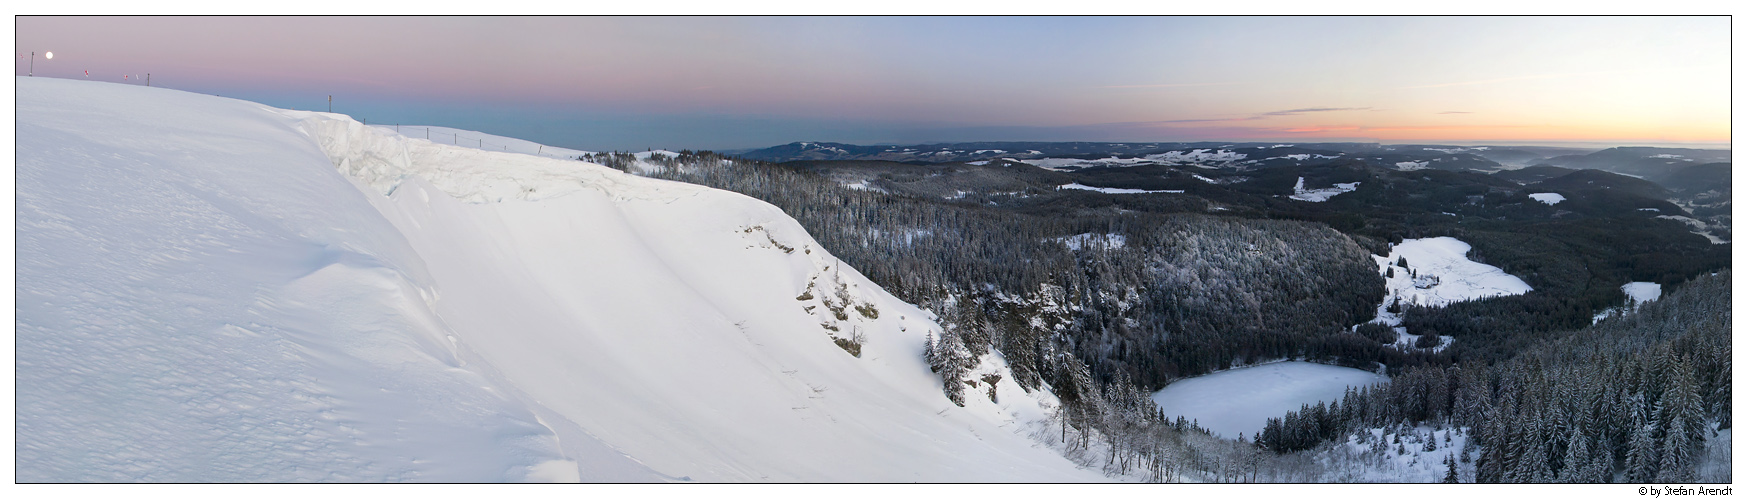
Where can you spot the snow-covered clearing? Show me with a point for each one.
(214, 290)
(1113, 190)
(1439, 273)
(1698, 227)
(1320, 195)
(1408, 166)
(862, 185)
(1551, 198)
(1078, 242)
(1241, 400)
(1637, 294)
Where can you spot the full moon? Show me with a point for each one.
(48, 55)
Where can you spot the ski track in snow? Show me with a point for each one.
(214, 290)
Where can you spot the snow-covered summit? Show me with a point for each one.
(214, 290)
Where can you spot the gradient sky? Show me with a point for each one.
(627, 83)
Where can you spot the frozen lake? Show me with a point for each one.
(1242, 400)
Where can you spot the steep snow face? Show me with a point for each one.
(1241, 400)
(211, 289)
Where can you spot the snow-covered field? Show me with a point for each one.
(1241, 400)
(1550, 198)
(1639, 293)
(1320, 195)
(1439, 272)
(210, 289)
(1114, 190)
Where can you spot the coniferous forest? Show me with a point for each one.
(1106, 304)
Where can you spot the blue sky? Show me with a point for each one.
(628, 83)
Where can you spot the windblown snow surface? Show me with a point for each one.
(210, 289)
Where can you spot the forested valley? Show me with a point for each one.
(1105, 304)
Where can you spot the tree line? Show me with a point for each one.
(1632, 398)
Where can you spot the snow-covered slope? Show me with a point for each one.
(214, 290)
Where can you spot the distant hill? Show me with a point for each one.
(1640, 162)
(1067, 156)
(1697, 178)
(1533, 174)
(976, 151)
(1597, 180)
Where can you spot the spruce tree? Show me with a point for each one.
(1641, 459)
(1577, 460)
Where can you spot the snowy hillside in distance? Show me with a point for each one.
(210, 289)
(1320, 195)
(1114, 190)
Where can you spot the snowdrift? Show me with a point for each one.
(215, 290)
